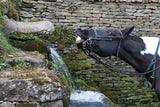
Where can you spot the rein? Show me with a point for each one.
(115, 69)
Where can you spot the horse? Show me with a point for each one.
(139, 52)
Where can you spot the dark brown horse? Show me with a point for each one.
(137, 51)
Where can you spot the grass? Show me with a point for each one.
(9, 49)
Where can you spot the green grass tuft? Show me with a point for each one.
(4, 43)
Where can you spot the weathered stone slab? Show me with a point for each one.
(29, 1)
(28, 27)
(25, 90)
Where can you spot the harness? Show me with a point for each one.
(153, 65)
(89, 52)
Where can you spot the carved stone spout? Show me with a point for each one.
(12, 26)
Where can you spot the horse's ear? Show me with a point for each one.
(127, 31)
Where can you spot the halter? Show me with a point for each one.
(90, 42)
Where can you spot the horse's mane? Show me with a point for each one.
(134, 38)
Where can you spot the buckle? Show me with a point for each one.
(89, 41)
(152, 76)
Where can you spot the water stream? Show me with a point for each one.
(79, 98)
(61, 66)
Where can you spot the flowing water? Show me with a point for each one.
(79, 98)
(61, 66)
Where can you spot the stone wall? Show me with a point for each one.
(144, 14)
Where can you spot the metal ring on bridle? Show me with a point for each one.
(89, 41)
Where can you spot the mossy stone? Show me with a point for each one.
(12, 13)
(81, 56)
(62, 35)
(27, 5)
(26, 105)
(81, 84)
(64, 82)
(3, 21)
(31, 45)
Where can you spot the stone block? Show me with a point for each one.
(59, 0)
(139, 1)
(26, 14)
(24, 90)
(29, 1)
(155, 1)
(123, 0)
(6, 104)
(152, 7)
(63, 13)
(69, 21)
(26, 105)
(140, 15)
(58, 103)
(40, 6)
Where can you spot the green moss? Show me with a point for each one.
(64, 82)
(62, 35)
(5, 44)
(85, 65)
(148, 96)
(28, 5)
(81, 56)
(74, 63)
(31, 45)
(96, 77)
(81, 84)
(12, 13)
(3, 21)
(22, 37)
(26, 105)
(113, 95)
(38, 75)
(50, 0)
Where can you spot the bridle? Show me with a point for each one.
(89, 52)
(91, 42)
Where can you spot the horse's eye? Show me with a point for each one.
(110, 33)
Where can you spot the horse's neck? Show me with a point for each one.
(130, 52)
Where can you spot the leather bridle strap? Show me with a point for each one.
(119, 45)
(95, 33)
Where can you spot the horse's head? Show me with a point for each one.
(83, 35)
(104, 40)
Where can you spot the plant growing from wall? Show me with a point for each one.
(2, 52)
(62, 35)
(1, 17)
(72, 6)
(11, 8)
(2, 65)
(22, 37)
(56, 16)
(4, 43)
